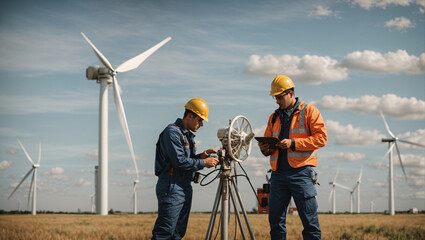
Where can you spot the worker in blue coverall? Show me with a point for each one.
(300, 128)
(176, 162)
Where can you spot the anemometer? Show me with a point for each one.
(236, 147)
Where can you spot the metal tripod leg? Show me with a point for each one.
(242, 208)
(214, 212)
(232, 196)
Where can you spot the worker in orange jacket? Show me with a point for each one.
(301, 130)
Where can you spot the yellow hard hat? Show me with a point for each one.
(280, 84)
(199, 107)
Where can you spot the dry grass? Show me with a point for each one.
(128, 226)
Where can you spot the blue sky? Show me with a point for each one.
(348, 58)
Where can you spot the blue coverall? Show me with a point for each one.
(175, 165)
(287, 182)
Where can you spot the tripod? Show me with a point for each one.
(227, 188)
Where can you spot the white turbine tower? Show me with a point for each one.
(357, 187)
(391, 143)
(105, 75)
(135, 196)
(372, 204)
(33, 185)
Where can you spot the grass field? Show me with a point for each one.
(128, 226)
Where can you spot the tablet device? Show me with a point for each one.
(269, 140)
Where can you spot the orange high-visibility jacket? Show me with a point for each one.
(309, 132)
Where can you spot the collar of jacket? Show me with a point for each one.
(179, 123)
(291, 111)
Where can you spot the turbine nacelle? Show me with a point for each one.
(98, 73)
(36, 165)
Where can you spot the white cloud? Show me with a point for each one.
(350, 135)
(367, 4)
(312, 69)
(416, 137)
(10, 132)
(309, 69)
(320, 11)
(400, 23)
(65, 102)
(391, 105)
(413, 161)
(259, 132)
(347, 157)
(420, 195)
(93, 154)
(126, 171)
(391, 62)
(4, 165)
(56, 173)
(258, 165)
(82, 183)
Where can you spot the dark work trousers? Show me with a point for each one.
(296, 183)
(174, 202)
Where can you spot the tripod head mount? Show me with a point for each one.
(236, 139)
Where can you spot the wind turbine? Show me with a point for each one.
(333, 192)
(391, 143)
(33, 185)
(357, 187)
(105, 75)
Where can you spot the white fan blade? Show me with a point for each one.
(383, 158)
(336, 175)
(360, 176)
(121, 115)
(401, 162)
(31, 189)
(25, 151)
(23, 179)
(137, 60)
(417, 144)
(99, 54)
(330, 195)
(39, 153)
(343, 187)
(386, 125)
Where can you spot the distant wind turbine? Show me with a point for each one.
(391, 143)
(357, 187)
(105, 75)
(33, 185)
(333, 191)
(372, 205)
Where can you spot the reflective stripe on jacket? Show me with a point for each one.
(308, 131)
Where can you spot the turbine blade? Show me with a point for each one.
(330, 195)
(26, 153)
(99, 54)
(336, 175)
(355, 187)
(23, 179)
(121, 115)
(342, 186)
(360, 176)
(39, 153)
(417, 144)
(137, 60)
(386, 124)
(30, 193)
(385, 155)
(401, 162)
